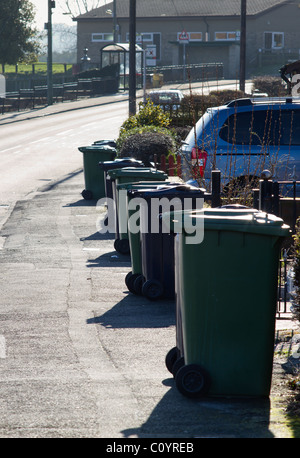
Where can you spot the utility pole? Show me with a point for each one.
(51, 4)
(132, 58)
(243, 45)
(115, 31)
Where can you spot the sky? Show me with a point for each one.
(57, 16)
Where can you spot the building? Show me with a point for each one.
(199, 31)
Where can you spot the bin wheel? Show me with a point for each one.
(178, 364)
(192, 381)
(171, 358)
(127, 278)
(129, 281)
(87, 195)
(152, 289)
(138, 284)
(122, 246)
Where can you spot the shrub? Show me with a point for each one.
(214, 98)
(149, 115)
(194, 106)
(272, 85)
(146, 134)
(143, 143)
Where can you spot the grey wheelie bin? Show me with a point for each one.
(118, 163)
(227, 288)
(93, 176)
(157, 240)
(128, 175)
(134, 234)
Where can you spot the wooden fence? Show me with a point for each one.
(170, 165)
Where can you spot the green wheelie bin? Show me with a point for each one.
(128, 175)
(226, 286)
(93, 175)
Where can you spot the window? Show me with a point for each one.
(195, 36)
(228, 36)
(273, 40)
(264, 127)
(96, 37)
(148, 38)
(144, 37)
(192, 36)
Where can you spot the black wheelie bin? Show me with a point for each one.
(118, 163)
(157, 240)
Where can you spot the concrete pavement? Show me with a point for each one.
(82, 357)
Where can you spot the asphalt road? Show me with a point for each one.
(79, 355)
(37, 148)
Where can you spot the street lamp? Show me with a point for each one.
(243, 45)
(48, 26)
(115, 27)
(132, 57)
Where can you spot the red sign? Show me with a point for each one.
(183, 37)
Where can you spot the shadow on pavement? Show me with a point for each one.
(137, 312)
(177, 416)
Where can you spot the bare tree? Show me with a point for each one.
(77, 7)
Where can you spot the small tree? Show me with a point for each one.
(18, 38)
(76, 7)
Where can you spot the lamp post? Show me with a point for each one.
(243, 45)
(51, 4)
(132, 58)
(115, 21)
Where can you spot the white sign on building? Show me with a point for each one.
(150, 55)
(2, 87)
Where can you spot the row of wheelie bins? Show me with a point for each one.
(219, 265)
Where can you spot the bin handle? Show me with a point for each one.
(261, 217)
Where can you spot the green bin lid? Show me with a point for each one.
(136, 172)
(144, 184)
(224, 219)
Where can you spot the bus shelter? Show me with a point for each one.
(118, 53)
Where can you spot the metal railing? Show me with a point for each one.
(37, 96)
(284, 278)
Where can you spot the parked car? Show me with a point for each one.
(167, 99)
(243, 138)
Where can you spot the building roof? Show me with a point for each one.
(181, 8)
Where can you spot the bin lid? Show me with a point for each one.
(118, 163)
(105, 142)
(145, 184)
(96, 148)
(229, 219)
(136, 172)
(136, 185)
(178, 190)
